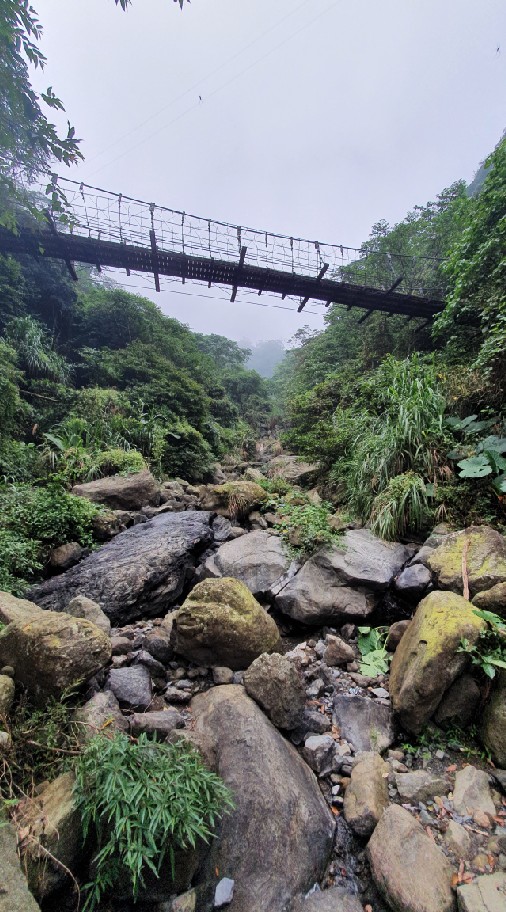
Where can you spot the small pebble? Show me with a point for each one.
(224, 892)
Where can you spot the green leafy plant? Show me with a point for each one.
(489, 651)
(143, 800)
(303, 526)
(400, 507)
(375, 659)
(483, 456)
(32, 522)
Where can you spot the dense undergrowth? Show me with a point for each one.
(408, 424)
(96, 381)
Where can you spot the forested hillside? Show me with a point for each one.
(95, 381)
(407, 420)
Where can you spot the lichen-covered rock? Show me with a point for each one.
(122, 492)
(493, 599)
(276, 685)
(14, 893)
(221, 623)
(427, 661)
(257, 559)
(276, 842)
(493, 727)
(15, 609)
(485, 559)
(232, 499)
(54, 824)
(409, 869)
(140, 573)
(366, 797)
(52, 652)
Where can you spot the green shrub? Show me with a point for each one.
(401, 507)
(275, 485)
(303, 526)
(116, 461)
(143, 800)
(19, 560)
(32, 522)
(19, 462)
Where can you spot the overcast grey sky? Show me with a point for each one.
(317, 118)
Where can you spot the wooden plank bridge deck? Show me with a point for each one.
(112, 231)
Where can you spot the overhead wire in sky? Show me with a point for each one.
(218, 89)
(197, 84)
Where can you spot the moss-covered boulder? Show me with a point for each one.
(233, 499)
(427, 661)
(51, 652)
(493, 727)
(485, 559)
(493, 599)
(221, 623)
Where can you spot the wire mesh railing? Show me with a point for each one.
(113, 217)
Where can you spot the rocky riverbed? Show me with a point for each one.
(353, 793)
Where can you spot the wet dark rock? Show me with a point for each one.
(413, 582)
(141, 572)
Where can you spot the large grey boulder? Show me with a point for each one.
(14, 893)
(340, 582)
(364, 560)
(221, 623)
(314, 596)
(409, 869)
(276, 842)
(277, 686)
(122, 492)
(139, 573)
(257, 559)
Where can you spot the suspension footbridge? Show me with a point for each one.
(110, 230)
